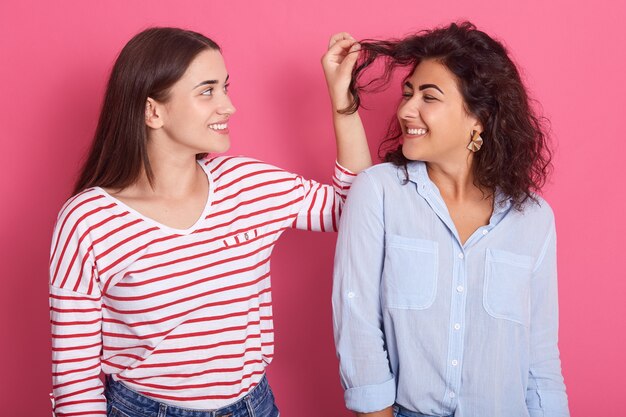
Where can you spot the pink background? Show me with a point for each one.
(55, 59)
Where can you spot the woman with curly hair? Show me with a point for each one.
(445, 293)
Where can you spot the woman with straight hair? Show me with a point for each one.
(159, 271)
(445, 292)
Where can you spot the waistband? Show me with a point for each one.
(117, 392)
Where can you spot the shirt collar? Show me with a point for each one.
(418, 174)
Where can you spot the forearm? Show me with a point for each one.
(387, 412)
(352, 150)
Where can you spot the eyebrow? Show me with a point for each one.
(210, 82)
(425, 86)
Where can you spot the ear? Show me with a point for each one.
(153, 114)
(477, 125)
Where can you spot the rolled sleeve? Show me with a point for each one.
(322, 204)
(370, 398)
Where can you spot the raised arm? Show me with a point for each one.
(338, 62)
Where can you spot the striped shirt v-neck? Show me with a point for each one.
(181, 316)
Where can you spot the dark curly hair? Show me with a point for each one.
(515, 157)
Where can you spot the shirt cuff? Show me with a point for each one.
(371, 398)
(342, 179)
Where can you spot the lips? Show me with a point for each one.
(221, 127)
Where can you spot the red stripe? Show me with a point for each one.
(218, 166)
(345, 171)
(207, 305)
(74, 298)
(178, 260)
(80, 241)
(208, 241)
(80, 413)
(68, 403)
(75, 310)
(73, 393)
(117, 245)
(246, 176)
(191, 284)
(234, 167)
(323, 210)
(81, 359)
(76, 381)
(269, 196)
(67, 216)
(212, 371)
(308, 215)
(221, 344)
(334, 217)
(70, 336)
(211, 397)
(82, 347)
(73, 371)
(186, 312)
(251, 188)
(74, 323)
(72, 232)
(201, 360)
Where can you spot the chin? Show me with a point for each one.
(221, 147)
(412, 154)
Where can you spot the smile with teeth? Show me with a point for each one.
(218, 126)
(418, 131)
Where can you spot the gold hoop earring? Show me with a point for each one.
(476, 142)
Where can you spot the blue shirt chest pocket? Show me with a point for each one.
(409, 278)
(506, 292)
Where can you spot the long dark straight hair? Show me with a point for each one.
(150, 63)
(516, 156)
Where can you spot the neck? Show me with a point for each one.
(175, 174)
(455, 181)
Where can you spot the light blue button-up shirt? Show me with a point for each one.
(439, 327)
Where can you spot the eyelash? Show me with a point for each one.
(210, 90)
(427, 98)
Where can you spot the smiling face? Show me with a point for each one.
(436, 126)
(195, 116)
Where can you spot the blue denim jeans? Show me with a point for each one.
(399, 411)
(124, 402)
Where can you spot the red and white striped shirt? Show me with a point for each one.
(181, 316)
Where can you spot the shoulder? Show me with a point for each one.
(385, 176)
(76, 218)
(81, 204)
(384, 173)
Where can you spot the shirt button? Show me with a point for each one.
(461, 256)
(452, 395)
(485, 231)
(455, 362)
(350, 294)
(460, 288)
(457, 326)
(246, 236)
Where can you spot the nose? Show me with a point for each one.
(408, 110)
(226, 106)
